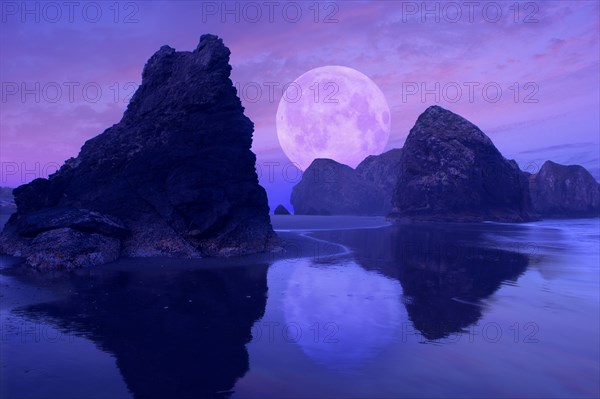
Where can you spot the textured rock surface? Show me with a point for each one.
(7, 202)
(67, 248)
(176, 172)
(331, 188)
(281, 210)
(382, 170)
(564, 191)
(451, 171)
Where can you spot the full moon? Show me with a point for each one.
(332, 112)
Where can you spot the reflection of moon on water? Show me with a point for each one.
(357, 312)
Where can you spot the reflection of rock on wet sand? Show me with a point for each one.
(355, 311)
(173, 333)
(443, 274)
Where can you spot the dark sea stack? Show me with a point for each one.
(382, 170)
(564, 191)
(331, 188)
(451, 171)
(176, 175)
(281, 210)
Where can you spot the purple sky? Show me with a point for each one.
(550, 50)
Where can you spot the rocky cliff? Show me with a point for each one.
(7, 201)
(175, 177)
(331, 188)
(382, 170)
(564, 191)
(448, 170)
(451, 171)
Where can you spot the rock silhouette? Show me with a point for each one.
(448, 170)
(382, 170)
(7, 202)
(331, 188)
(564, 191)
(281, 210)
(176, 174)
(451, 171)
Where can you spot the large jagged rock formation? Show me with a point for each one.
(564, 191)
(382, 170)
(451, 171)
(331, 188)
(175, 177)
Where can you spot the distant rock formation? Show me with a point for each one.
(564, 191)
(451, 171)
(175, 177)
(281, 210)
(382, 170)
(448, 170)
(331, 188)
(7, 201)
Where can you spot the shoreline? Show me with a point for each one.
(293, 230)
(298, 242)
